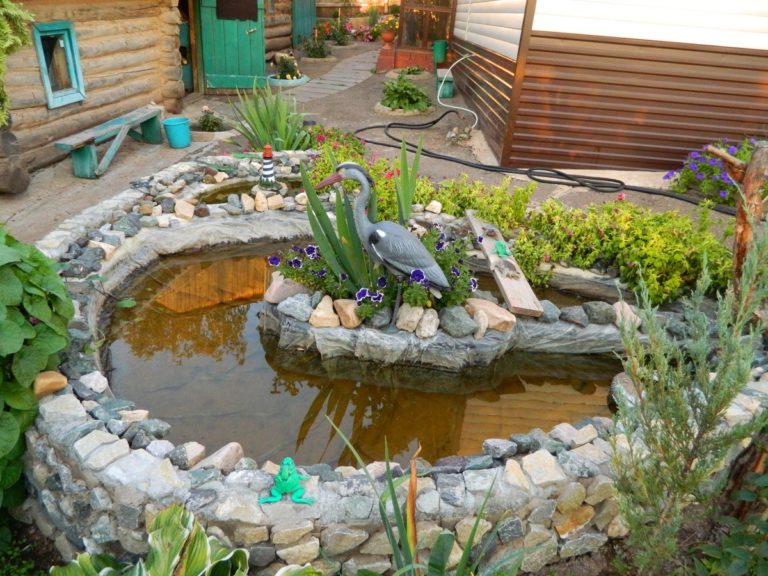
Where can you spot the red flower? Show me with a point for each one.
(389, 175)
(320, 138)
(621, 196)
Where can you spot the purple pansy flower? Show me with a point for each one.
(440, 246)
(362, 295)
(377, 296)
(455, 271)
(381, 282)
(312, 251)
(417, 275)
(479, 240)
(472, 284)
(273, 260)
(295, 263)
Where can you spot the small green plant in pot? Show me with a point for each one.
(402, 94)
(315, 47)
(35, 309)
(209, 121)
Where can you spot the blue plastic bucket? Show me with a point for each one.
(177, 132)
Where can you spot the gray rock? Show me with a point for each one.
(457, 322)
(450, 464)
(499, 448)
(203, 476)
(234, 200)
(74, 434)
(576, 465)
(148, 222)
(117, 427)
(100, 499)
(298, 306)
(381, 318)
(545, 442)
(485, 295)
(168, 205)
(128, 516)
(357, 507)
(103, 530)
(376, 564)
(231, 210)
(153, 427)
(159, 448)
(599, 312)
(479, 480)
(510, 529)
(261, 555)
(479, 462)
(582, 544)
(141, 440)
(451, 488)
(340, 539)
(551, 312)
(129, 224)
(540, 556)
(83, 392)
(525, 443)
(324, 471)
(574, 315)
(246, 464)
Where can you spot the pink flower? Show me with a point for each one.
(320, 138)
(621, 197)
(389, 175)
(205, 110)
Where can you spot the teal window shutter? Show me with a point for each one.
(59, 58)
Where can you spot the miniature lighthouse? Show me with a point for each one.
(267, 168)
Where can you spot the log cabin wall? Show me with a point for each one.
(129, 53)
(620, 103)
(277, 26)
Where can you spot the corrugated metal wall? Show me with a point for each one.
(486, 82)
(590, 101)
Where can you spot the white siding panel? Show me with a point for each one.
(737, 23)
(492, 24)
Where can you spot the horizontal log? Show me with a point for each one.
(117, 44)
(116, 63)
(82, 12)
(22, 78)
(22, 59)
(277, 31)
(109, 28)
(27, 97)
(276, 20)
(273, 44)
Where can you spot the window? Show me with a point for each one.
(59, 59)
(425, 21)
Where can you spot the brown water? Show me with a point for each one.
(191, 352)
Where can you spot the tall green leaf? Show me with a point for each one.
(9, 433)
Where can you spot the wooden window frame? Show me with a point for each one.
(65, 29)
(409, 5)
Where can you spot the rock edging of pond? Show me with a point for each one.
(99, 468)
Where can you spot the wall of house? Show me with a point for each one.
(277, 27)
(595, 101)
(129, 53)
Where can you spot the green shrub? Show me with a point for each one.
(267, 118)
(177, 545)
(666, 246)
(402, 94)
(674, 423)
(35, 310)
(314, 47)
(14, 33)
(705, 173)
(209, 121)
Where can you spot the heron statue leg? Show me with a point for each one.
(397, 305)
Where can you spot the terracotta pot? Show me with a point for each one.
(387, 36)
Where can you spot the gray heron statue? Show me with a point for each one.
(387, 242)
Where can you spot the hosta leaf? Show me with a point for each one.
(17, 396)
(12, 339)
(8, 255)
(196, 553)
(3, 312)
(37, 306)
(24, 418)
(28, 363)
(48, 339)
(11, 288)
(11, 474)
(9, 433)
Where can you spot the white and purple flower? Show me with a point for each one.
(362, 295)
(273, 260)
(472, 284)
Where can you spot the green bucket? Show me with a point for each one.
(438, 50)
(444, 89)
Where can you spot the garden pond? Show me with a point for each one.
(191, 352)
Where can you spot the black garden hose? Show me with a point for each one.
(541, 175)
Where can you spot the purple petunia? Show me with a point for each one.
(295, 263)
(377, 296)
(362, 295)
(312, 251)
(479, 240)
(273, 260)
(669, 175)
(298, 249)
(455, 271)
(723, 194)
(472, 284)
(381, 282)
(418, 275)
(442, 237)
(343, 276)
(732, 149)
(440, 246)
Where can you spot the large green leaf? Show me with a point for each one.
(24, 418)
(9, 433)
(12, 339)
(3, 312)
(167, 536)
(197, 553)
(11, 474)
(37, 306)
(11, 288)
(29, 362)
(8, 255)
(49, 340)
(441, 552)
(17, 396)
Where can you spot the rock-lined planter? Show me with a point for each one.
(100, 468)
(285, 83)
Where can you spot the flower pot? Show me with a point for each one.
(275, 81)
(387, 36)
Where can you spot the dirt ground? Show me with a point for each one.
(55, 194)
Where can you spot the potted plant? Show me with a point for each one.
(387, 29)
(288, 73)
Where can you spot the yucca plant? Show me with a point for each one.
(270, 118)
(404, 550)
(178, 546)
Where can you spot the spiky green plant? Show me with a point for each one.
(14, 33)
(270, 118)
(405, 184)
(675, 422)
(178, 546)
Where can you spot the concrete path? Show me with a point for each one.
(346, 74)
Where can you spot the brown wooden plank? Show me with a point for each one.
(517, 293)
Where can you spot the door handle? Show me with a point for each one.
(251, 30)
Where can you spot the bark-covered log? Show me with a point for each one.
(277, 31)
(14, 177)
(273, 44)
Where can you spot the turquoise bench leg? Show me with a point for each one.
(84, 161)
(150, 131)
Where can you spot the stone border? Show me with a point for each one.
(379, 108)
(100, 470)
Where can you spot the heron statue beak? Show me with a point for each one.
(332, 179)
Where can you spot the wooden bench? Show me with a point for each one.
(82, 146)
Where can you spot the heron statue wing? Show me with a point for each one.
(403, 252)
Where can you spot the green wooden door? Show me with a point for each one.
(232, 50)
(304, 19)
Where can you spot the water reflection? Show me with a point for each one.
(192, 354)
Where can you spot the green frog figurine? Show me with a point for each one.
(287, 482)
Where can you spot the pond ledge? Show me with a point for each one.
(99, 469)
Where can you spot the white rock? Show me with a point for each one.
(408, 317)
(249, 204)
(224, 458)
(260, 201)
(301, 199)
(481, 319)
(95, 381)
(542, 468)
(435, 207)
(428, 324)
(323, 315)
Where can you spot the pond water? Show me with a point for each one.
(191, 352)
